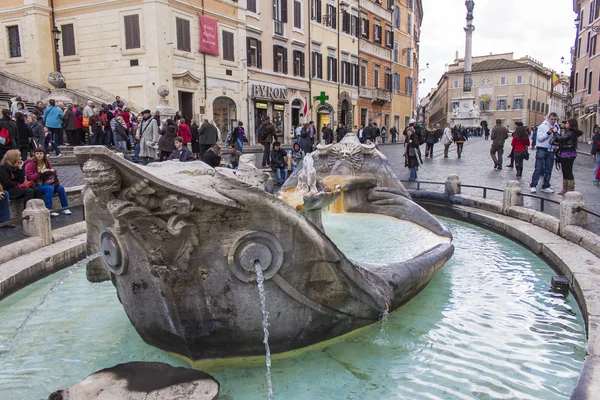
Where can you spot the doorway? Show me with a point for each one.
(224, 115)
(296, 110)
(186, 105)
(344, 114)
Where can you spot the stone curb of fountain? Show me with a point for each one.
(28, 268)
(579, 265)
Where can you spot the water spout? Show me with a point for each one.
(260, 280)
(382, 338)
(307, 177)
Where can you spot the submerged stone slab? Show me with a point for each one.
(143, 381)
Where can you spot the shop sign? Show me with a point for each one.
(279, 107)
(261, 105)
(209, 35)
(269, 92)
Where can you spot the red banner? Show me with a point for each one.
(209, 35)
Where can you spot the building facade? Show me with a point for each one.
(504, 88)
(585, 77)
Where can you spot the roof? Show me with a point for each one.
(494, 65)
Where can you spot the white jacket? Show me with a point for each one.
(447, 137)
(544, 135)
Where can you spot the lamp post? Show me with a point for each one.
(56, 34)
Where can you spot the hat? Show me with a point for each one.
(412, 121)
(146, 111)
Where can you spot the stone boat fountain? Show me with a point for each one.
(180, 242)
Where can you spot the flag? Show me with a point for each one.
(305, 106)
(555, 83)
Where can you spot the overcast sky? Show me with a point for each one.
(541, 29)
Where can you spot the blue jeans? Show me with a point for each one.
(97, 138)
(136, 153)
(544, 162)
(240, 144)
(5, 208)
(49, 192)
(597, 167)
(108, 137)
(50, 144)
(278, 175)
(413, 174)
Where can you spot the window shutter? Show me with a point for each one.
(68, 39)
(248, 53)
(345, 21)
(297, 14)
(319, 5)
(179, 26)
(296, 65)
(328, 68)
(357, 75)
(335, 70)
(186, 35)
(132, 31)
(302, 68)
(285, 60)
(228, 53)
(367, 29)
(320, 70)
(284, 11)
(259, 54)
(275, 58)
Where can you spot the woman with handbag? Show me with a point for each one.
(12, 178)
(567, 149)
(39, 171)
(520, 143)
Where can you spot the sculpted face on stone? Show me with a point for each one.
(180, 242)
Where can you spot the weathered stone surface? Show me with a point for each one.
(593, 343)
(512, 196)
(143, 381)
(522, 213)
(546, 221)
(452, 186)
(477, 202)
(570, 213)
(588, 385)
(583, 237)
(37, 223)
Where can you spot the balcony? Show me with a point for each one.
(377, 95)
(375, 50)
(376, 9)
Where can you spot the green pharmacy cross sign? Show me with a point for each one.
(322, 98)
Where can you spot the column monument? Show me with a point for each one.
(467, 113)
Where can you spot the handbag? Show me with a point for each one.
(526, 154)
(50, 178)
(26, 185)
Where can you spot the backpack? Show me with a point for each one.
(262, 133)
(4, 137)
(420, 135)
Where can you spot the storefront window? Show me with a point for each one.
(224, 115)
(278, 120)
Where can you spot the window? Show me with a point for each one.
(395, 52)
(331, 20)
(484, 106)
(132, 31)
(363, 76)
(279, 16)
(377, 34)
(396, 82)
(376, 77)
(254, 54)
(590, 85)
(597, 10)
(183, 34)
(409, 57)
(280, 59)
(576, 81)
(14, 41)
(591, 16)
(68, 40)
(388, 80)
(410, 4)
(409, 24)
(347, 73)
(397, 17)
(317, 65)
(409, 84)
(587, 43)
(455, 104)
(390, 5)
(365, 28)
(503, 80)
(581, 15)
(529, 104)
(331, 69)
(252, 6)
(297, 14)
(228, 49)
(538, 106)
(355, 75)
(298, 63)
(519, 79)
(316, 10)
(355, 26)
(579, 48)
(389, 37)
(501, 105)
(346, 25)
(593, 45)
(518, 104)
(585, 75)
(455, 84)
(547, 109)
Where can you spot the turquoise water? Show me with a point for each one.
(486, 327)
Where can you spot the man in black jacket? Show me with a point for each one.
(208, 137)
(212, 156)
(279, 163)
(13, 137)
(370, 132)
(182, 153)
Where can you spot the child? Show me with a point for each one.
(234, 156)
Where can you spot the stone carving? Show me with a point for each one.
(163, 91)
(470, 7)
(56, 79)
(180, 242)
(456, 112)
(307, 177)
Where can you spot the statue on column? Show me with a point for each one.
(470, 6)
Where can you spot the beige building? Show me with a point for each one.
(504, 88)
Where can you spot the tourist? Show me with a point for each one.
(520, 143)
(184, 132)
(544, 156)
(296, 154)
(38, 111)
(596, 154)
(266, 135)
(533, 137)
(370, 132)
(20, 109)
(23, 134)
(88, 111)
(180, 152)
(118, 103)
(39, 171)
(430, 141)
(305, 142)
(96, 128)
(361, 136)
(5, 209)
(340, 132)
(70, 124)
(12, 178)
(147, 134)
(279, 163)
(53, 120)
(234, 156)
(177, 116)
(383, 134)
(121, 137)
(195, 138)
(377, 132)
(166, 143)
(239, 134)
(567, 152)
(499, 136)
(208, 137)
(312, 131)
(107, 117)
(394, 134)
(447, 139)
(212, 156)
(460, 137)
(37, 130)
(411, 152)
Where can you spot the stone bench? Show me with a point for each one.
(74, 195)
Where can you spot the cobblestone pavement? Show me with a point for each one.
(477, 168)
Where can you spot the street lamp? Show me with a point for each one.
(56, 34)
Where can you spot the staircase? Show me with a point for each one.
(5, 98)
